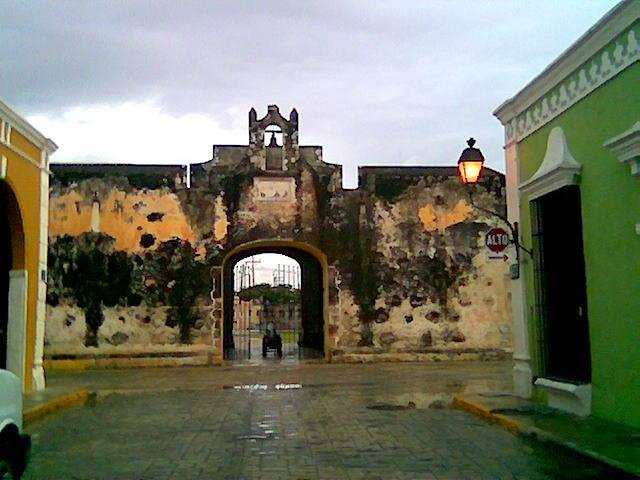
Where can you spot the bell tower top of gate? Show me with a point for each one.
(264, 156)
(273, 145)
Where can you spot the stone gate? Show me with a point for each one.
(393, 270)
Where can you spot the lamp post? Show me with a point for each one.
(470, 166)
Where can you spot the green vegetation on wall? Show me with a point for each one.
(183, 281)
(85, 270)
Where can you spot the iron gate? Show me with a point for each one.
(248, 344)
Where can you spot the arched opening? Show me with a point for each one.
(274, 144)
(296, 311)
(11, 258)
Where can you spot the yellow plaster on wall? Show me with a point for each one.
(436, 219)
(483, 319)
(221, 224)
(121, 209)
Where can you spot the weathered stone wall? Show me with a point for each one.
(408, 274)
(430, 288)
(126, 326)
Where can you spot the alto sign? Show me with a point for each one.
(496, 240)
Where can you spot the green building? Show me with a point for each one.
(572, 145)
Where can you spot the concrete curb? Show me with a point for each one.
(481, 411)
(518, 428)
(32, 414)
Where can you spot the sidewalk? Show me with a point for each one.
(607, 442)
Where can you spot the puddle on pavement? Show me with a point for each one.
(255, 437)
(517, 410)
(388, 401)
(259, 438)
(420, 400)
(391, 408)
(495, 394)
(253, 387)
(292, 386)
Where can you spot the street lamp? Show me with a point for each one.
(470, 163)
(470, 166)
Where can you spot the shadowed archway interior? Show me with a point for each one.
(5, 267)
(311, 304)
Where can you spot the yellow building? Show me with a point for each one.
(24, 208)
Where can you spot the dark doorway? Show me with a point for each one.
(5, 267)
(303, 339)
(561, 285)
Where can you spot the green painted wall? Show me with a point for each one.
(610, 210)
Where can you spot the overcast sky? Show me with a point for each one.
(264, 269)
(374, 82)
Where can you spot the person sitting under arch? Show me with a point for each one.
(271, 340)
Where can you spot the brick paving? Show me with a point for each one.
(199, 424)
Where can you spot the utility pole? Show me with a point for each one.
(252, 273)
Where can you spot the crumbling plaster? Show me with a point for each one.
(127, 327)
(123, 215)
(409, 276)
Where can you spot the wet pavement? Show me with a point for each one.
(382, 421)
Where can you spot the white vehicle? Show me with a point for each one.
(14, 444)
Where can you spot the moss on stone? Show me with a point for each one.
(390, 188)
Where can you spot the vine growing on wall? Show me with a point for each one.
(85, 270)
(184, 279)
(173, 275)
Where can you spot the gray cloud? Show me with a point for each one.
(375, 82)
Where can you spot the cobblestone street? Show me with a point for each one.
(385, 421)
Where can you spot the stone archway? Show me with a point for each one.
(13, 283)
(314, 297)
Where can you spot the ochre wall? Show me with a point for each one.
(123, 215)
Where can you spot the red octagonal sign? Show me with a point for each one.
(497, 240)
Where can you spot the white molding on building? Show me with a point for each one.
(626, 147)
(38, 382)
(10, 119)
(558, 169)
(610, 46)
(570, 397)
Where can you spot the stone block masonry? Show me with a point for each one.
(404, 274)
